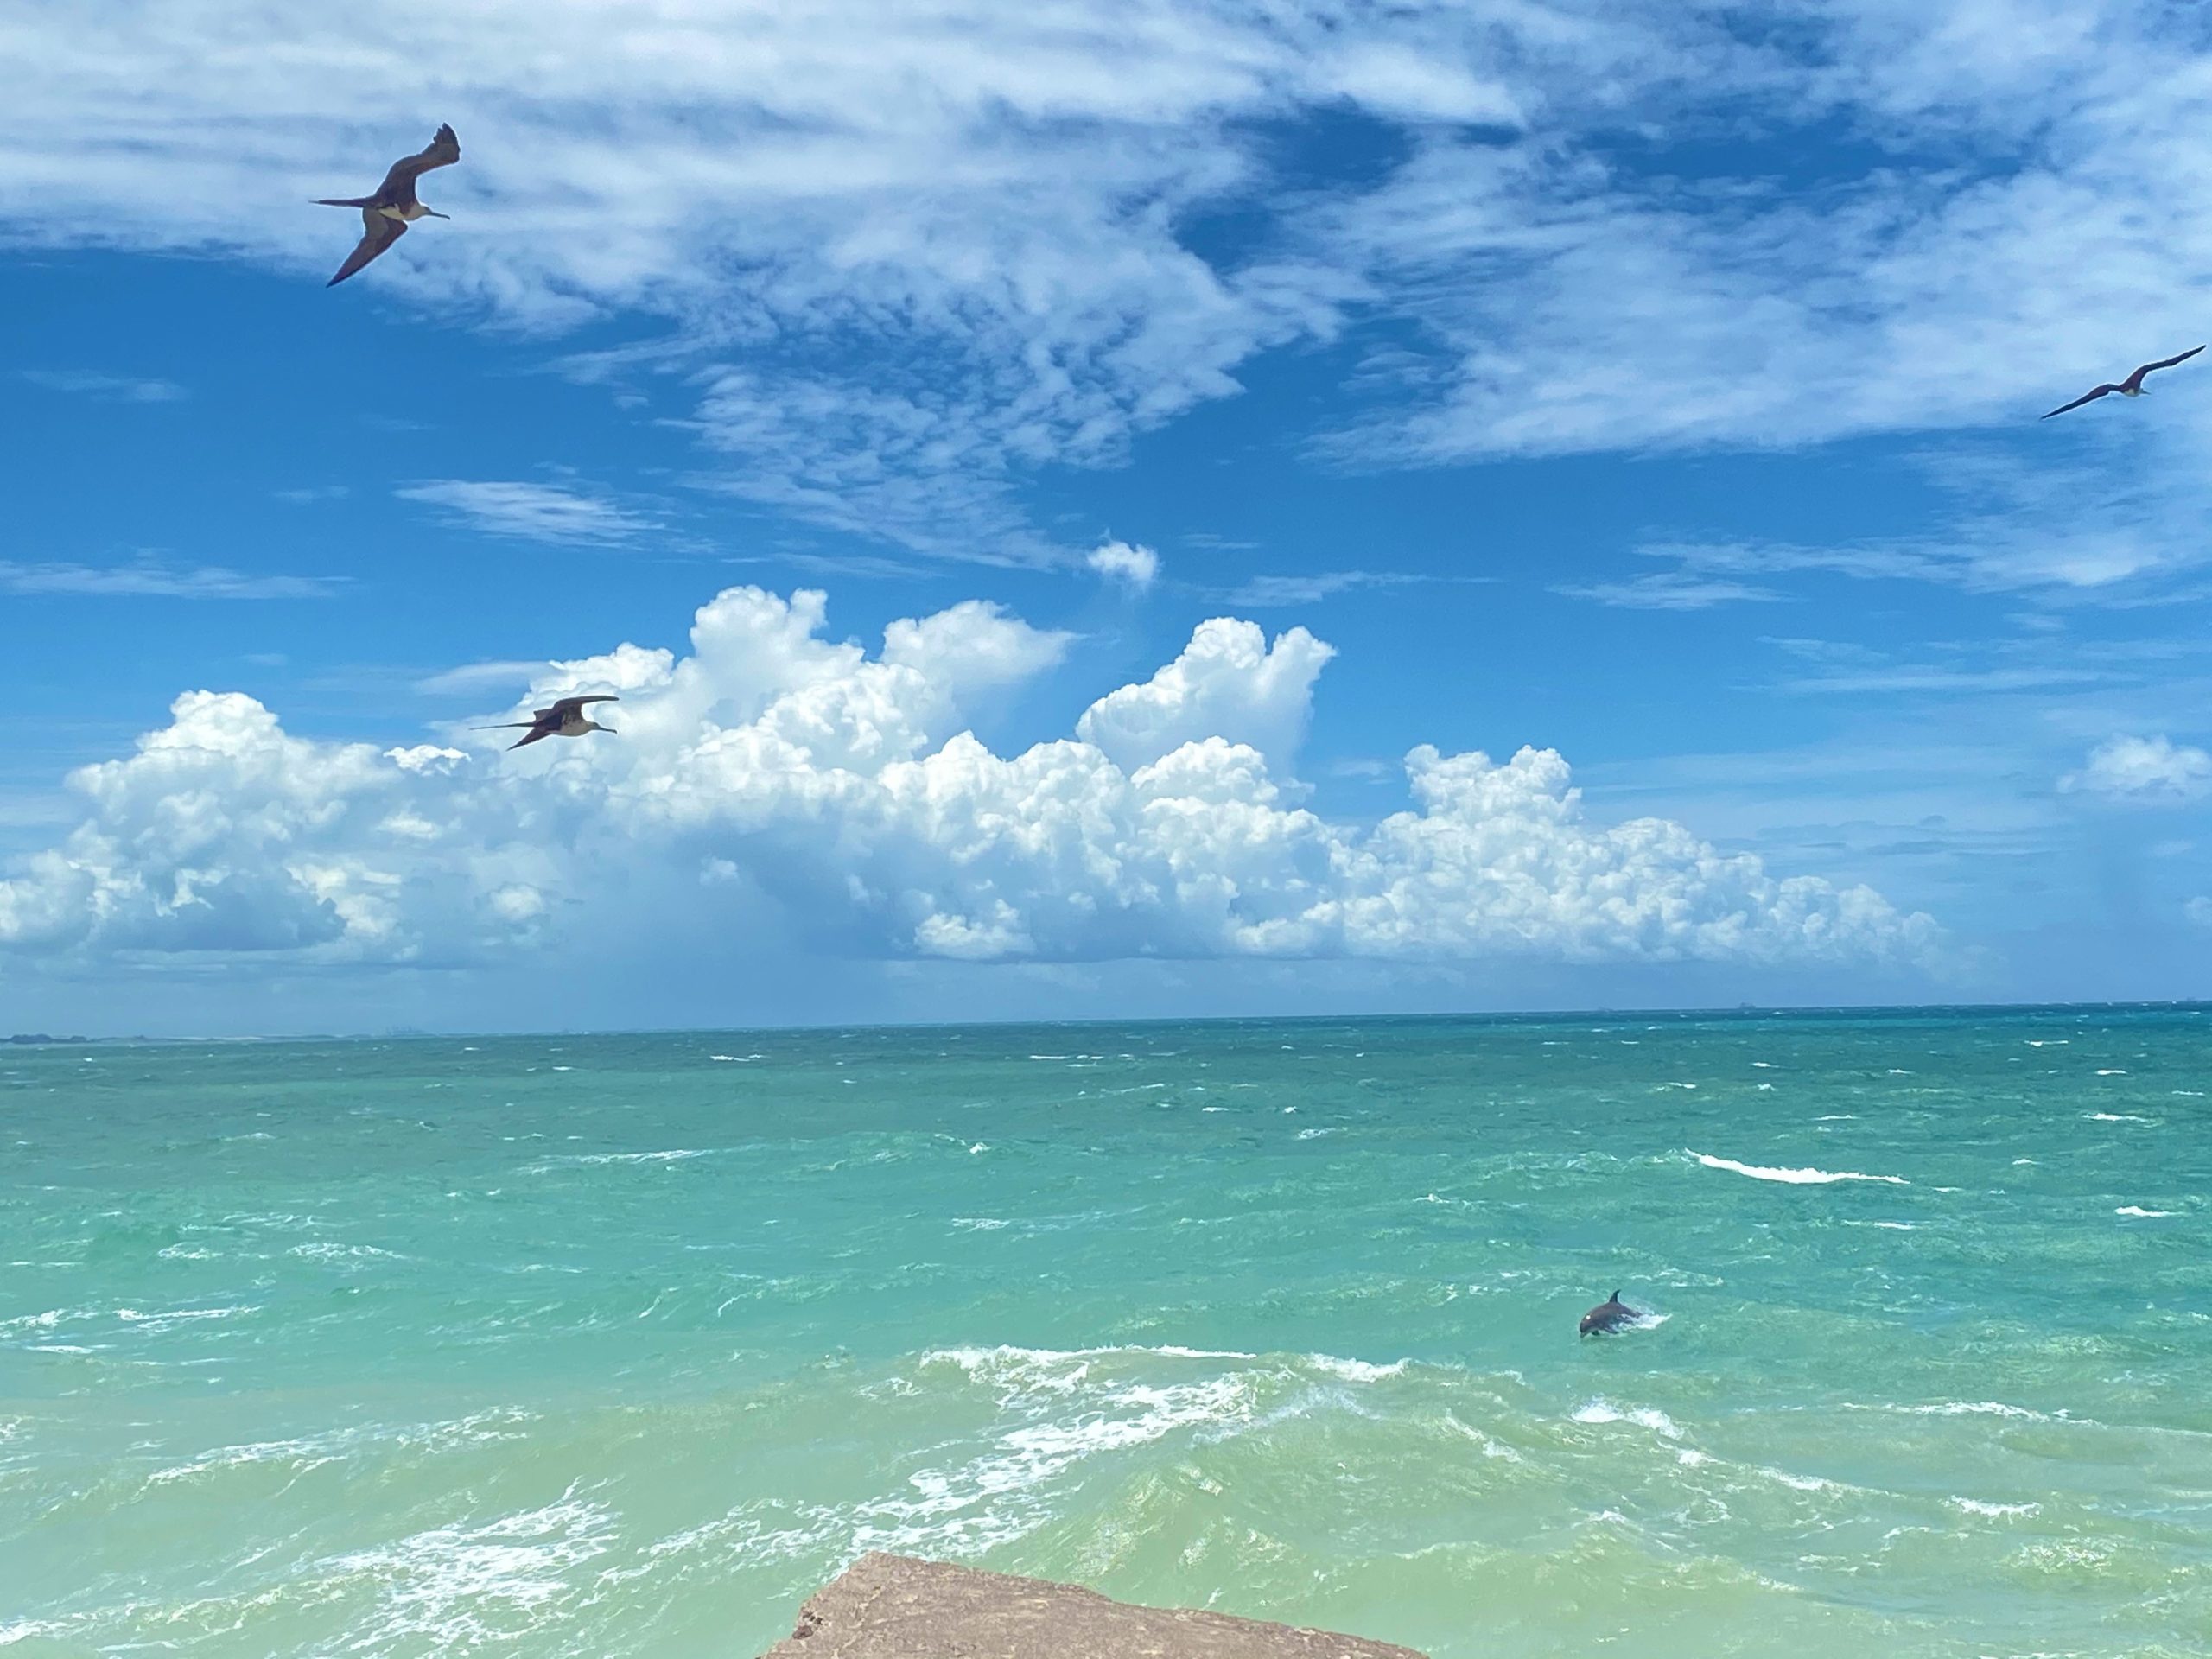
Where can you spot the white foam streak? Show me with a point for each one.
(1793, 1177)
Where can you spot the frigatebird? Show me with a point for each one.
(386, 215)
(564, 718)
(2131, 387)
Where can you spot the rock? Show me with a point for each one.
(896, 1607)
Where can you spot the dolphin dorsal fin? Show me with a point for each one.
(1617, 1295)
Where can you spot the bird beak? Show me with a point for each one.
(435, 214)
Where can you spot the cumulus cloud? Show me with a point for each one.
(2149, 771)
(1229, 683)
(849, 788)
(1123, 561)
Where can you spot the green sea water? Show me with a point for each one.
(621, 1345)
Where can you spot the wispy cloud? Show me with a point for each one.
(107, 388)
(475, 676)
(156, 580)
(904, 257)
(531, 512)
(1273, 592)
(1668, 590)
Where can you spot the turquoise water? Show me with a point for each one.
(621, 1345)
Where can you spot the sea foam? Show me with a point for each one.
(1793, 1177)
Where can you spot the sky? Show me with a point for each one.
(1101, 511)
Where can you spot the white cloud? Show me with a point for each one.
(149, 579)
(107, 388)
(531, 512)
(901, 256)
(2199, 910)
(1270, 591)
(1227, 682)
(1668, 590)
(476, 676)
(770, 760)
(2148, 770)
(1124, 562)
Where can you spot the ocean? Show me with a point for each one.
(623, 1345)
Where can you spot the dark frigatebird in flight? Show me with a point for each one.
(564, 718)
(2131, 387)
(386, 215)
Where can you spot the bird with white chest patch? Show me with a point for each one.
(563, 718)
(386, 215)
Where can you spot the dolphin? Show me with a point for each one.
(1609, 1316)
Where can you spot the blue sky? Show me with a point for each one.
(1650, 388)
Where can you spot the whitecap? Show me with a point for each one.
(670, 1157)
(1793, 1177)
(1975, 1506)
(1974, 1409)
(1605, 1411)
(980, 1223)
(1356, 1371)
(2110, 1072)
(2116, 1117)
(2146, 1214)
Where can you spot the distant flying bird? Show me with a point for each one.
(2131, 387)
(386, 215)
(563, 718)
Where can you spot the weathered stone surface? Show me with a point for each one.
(896, 1607)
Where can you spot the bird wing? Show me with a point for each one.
(2136, 378)
(398, 186)
(566, 706)
(538, 730)
(378, 233)
(2086, 398)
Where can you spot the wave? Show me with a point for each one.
(1605, 1411)
(1793, 1177)
(1356, 1371)
(2117, 1118)
(2148, 1215)
(1975, 1506)
(1970, 1408)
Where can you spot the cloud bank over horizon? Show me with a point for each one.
(846, 790)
